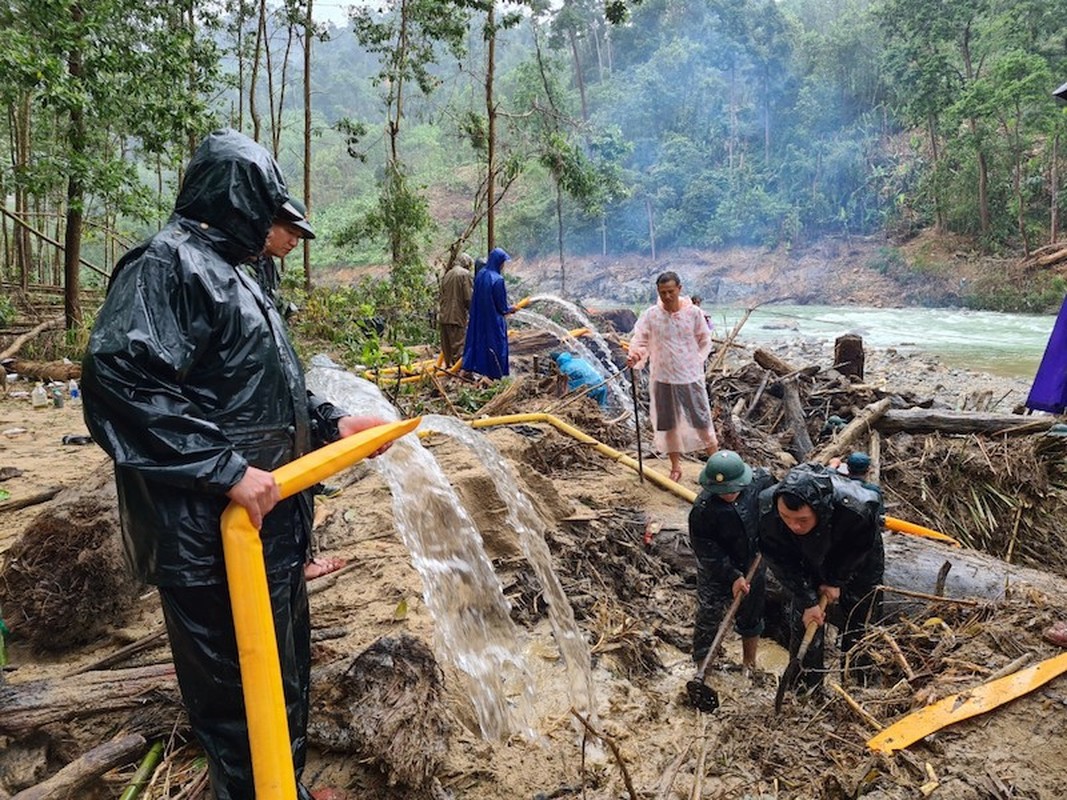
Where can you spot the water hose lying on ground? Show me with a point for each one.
(253, 621)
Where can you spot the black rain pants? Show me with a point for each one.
(204, 646)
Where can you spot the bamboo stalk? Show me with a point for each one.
(856, 707)
(614, 751)
(144, 772)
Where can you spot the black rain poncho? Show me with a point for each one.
(189, 376)
(846, 543)
(844, 550)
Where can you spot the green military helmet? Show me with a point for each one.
(725, 473)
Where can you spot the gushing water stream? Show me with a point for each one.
(462, 592)
(599, 343)
(526, 523)
(617, 392)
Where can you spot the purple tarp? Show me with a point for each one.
(1049, 392)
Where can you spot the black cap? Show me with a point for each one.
(1061, 93)
(295, 213)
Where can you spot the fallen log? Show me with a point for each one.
(792, 405)
(87, 767)
(30, 500)
(30, 705)
(860, 425)
(874, 450)
(923, 420)
(801, 445)
(768, 360)
(1052, 258)
(44, 370)
(16, 345)
(914, 563)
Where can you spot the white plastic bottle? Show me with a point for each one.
(75, 393)
(39, 397)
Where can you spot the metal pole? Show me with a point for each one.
(637, 425)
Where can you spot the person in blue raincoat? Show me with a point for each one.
(486, 348)
(580, 373)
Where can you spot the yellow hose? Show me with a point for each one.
(421, 370)
(910, 528)
(685, 493)
(253, 620)
(600, 447)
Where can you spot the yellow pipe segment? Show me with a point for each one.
(910, 528)
(600, 447)
(253, 620)
(971, 703)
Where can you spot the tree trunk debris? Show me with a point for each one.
(31, 705)
(48, 325)
(89, 766)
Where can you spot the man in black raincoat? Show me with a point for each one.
(821, 534)
(192, 387)
(723, 531)
(286, 231)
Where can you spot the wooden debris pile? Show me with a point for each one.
(1051, 256)
(996, 482)
(1004, 496)
(816, 746)
(623, 594)
(65, 580)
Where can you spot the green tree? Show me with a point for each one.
(407, 37)
(105, 73)
(1015, 93)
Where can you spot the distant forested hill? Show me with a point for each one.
(442, 125)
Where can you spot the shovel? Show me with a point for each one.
(702, 696)
(796, 665)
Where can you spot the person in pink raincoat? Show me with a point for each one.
(674, 338)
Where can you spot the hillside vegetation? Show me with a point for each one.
(441, 125)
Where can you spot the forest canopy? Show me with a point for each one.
(426, 127)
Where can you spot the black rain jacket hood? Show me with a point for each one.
(189, 376)
(234, 188)
(845, 542)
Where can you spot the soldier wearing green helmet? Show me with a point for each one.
(723, 527)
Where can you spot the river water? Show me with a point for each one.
(1010, 345)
